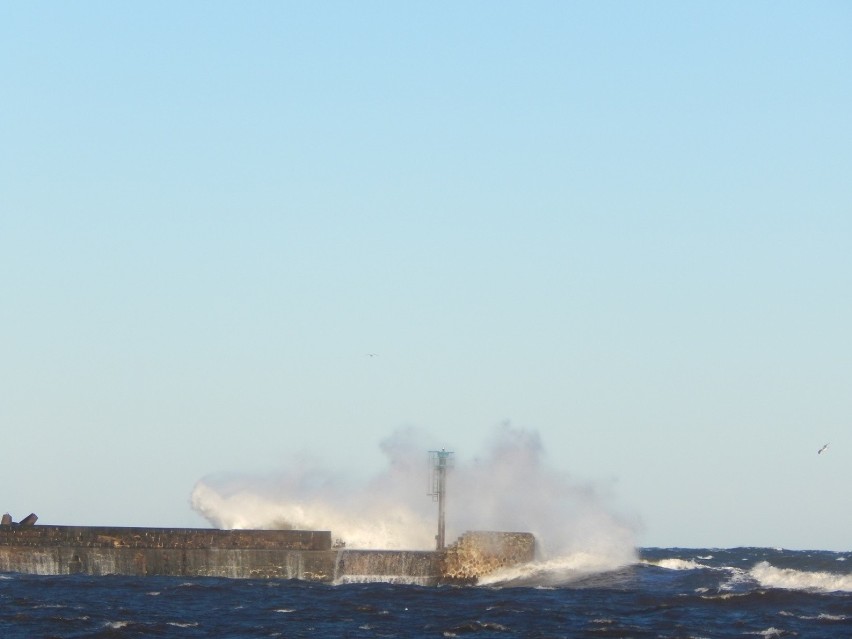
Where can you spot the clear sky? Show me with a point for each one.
(622, 226)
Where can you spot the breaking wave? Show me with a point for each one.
(677, 564)
(509, 488)
(769, 576)
(560, 571)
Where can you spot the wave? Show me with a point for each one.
(559, 571)
(762, 573)
(823, 616)
(721, 580)
(510, 488)
(769, 576)
(676, 564)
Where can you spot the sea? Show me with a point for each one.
(665, 593)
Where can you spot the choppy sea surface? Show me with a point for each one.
(677, 593)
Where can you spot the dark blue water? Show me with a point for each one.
(677, 593)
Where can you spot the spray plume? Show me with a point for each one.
(508, 488)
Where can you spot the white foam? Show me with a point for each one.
(820, 617)
(677, 564)
(769, 576)
(737, 576)
(560, 570)
(769, 632)
(408, 580)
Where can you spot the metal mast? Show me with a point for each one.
(440, 463)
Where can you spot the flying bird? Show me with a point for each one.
(372, 354)
(822, 450)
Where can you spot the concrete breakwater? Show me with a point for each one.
(280, 554)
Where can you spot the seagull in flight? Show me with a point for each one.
(822, 450)
(372, 354)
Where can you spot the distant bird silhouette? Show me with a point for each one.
(372, 354)
(822, 450)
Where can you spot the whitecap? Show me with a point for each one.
(677, 564)
(117, 625)
(724, 596)
(560, 570)
(787, 578)
(823, 616)
(737, 576)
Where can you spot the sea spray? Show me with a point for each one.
(390, 511)
(509, 487)
(512, 487)
(352, 520)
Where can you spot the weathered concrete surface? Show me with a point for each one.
(280, 554)
(187, 538)
(410, 566)
(29, 520)
(61, 550)
(240, 564)
(480, 553)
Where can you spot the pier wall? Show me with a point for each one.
(184, 538)
(280, 554)
(189, 552)
(479, 553)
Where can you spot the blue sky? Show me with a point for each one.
(623, 226)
